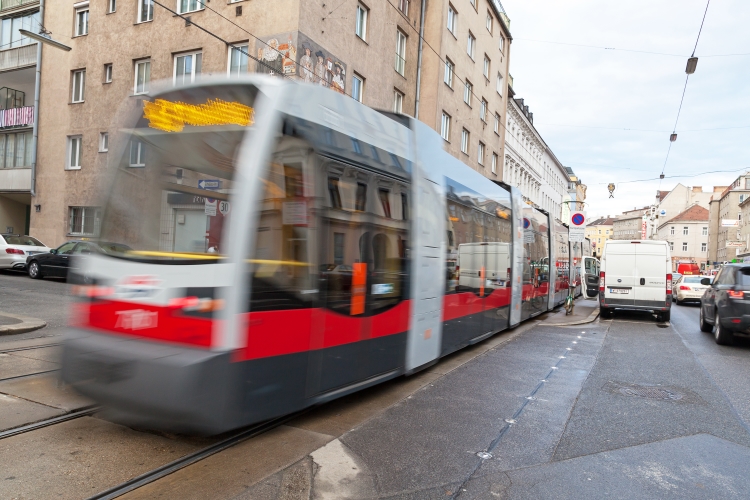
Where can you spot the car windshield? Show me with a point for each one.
(693, 279)
(23, 240)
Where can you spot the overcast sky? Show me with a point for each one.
(569, 88)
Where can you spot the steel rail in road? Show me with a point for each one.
(28, 375)
(50, 421)
(29, 348)
(165, 470)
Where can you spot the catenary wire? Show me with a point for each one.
(626, 50)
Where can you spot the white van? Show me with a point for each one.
(636, 275)
(490, 259)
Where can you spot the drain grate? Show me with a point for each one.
(651, 393)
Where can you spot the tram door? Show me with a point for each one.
(362, 328)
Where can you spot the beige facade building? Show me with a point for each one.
(725, 217)
(629, 225)
(464, 82)
(599, 231)
(687, 235)
(366, 49)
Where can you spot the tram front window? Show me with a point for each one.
(170, 197)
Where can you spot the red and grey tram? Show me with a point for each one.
(287, 245)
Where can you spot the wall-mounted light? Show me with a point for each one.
(37, 208)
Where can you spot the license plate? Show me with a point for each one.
(618, 290)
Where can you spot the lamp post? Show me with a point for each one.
(44, 37)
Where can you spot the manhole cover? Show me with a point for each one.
(651, 393)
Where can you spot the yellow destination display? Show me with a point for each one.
(173, 116)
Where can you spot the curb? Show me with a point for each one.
(591, 317)
(27, 324)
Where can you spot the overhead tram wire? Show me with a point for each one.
(625, 50)
(684, 89)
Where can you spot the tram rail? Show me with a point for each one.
(83, 412)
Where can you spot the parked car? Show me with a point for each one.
(689, 288)
(14, 250)
(57, 261)
(725, 305)
(636, 275)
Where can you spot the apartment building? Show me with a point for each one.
(18, 59)
(120, 49)
(687, 235)
(599, 231)
(630, 225)
(669, 204)
(530, 164)
(464, 80)
(725, 217)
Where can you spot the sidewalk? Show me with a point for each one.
(585, 311)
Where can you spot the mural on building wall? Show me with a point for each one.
(303, 59)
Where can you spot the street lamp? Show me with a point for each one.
(691, 65)
(44, 38)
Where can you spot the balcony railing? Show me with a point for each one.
(17, 117)
(12, 4)
(18, 57)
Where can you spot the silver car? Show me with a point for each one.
(689, 288)
(14, 249)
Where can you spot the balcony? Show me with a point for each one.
(17, 58)
(16, 117)
(16, 4)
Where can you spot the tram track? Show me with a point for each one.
(192, 458)
(16, 377)
(83, 412)
(28, 348)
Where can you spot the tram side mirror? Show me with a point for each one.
(705, 281)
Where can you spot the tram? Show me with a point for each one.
(288, 246)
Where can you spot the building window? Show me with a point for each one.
(403, 6)
(705, 231)
(79, 85)
(470, 44)
(333, 191)
(502, 43)
(452, 15)
(448, 76)
(704, 247)
(468, 90)
(137, 154)
(185, 6)
(15, 150)
(483, 110)
(82, 21)
(74, 152)
(9, 27)
(238, 56)
(358, 87)
(486, 70)
(497, 124)
(684, 246)
(480, 153)
(671, 230)
(360, 28)
(445, 126)
(108, 73)
(494, 163)
(499, 85)
(400, 52)
(742, 198)
(488, 22)
(464, 141)
(685, 231)
(473, 3)
(187, 67)
(103, 142)
(142, 76)
(84, 221)
(111, 6)
(385, 201)
(145, 10)
(398, 101)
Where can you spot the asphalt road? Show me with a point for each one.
(46, 299)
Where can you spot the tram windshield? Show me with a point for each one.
(174, 178)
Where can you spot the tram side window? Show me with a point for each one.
(362, 263)
(280, 264)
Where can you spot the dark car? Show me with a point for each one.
(725, 305)
(57, 261)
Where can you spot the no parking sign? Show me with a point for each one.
(577, 231)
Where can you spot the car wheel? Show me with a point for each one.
(34, 271)
(677, 301)
(705, 327)
(721, 334)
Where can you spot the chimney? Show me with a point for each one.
(697, 189)
(531, 117)
(719, 189)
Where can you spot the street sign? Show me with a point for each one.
(224, 207)
(577, 231)
(729, 223)
(210, 207)
(209, 183)
(662, 212)
(735, 244)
